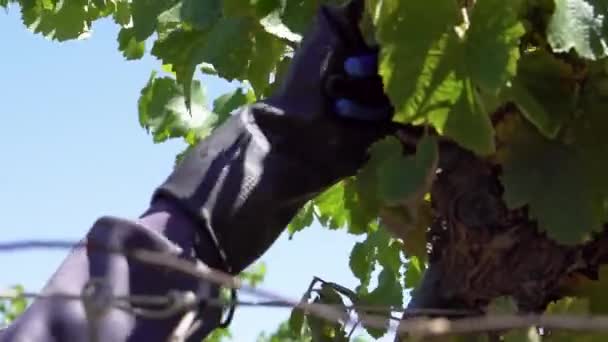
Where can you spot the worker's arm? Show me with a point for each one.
(234, 193)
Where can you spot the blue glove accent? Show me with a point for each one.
(349, 109)
(361, 66)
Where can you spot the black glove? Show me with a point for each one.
(245, 182)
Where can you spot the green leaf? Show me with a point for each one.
(162, 110)
(298, 14)
(303, 219)
(361, 262)
(145, 13)
(224, 105)
(330, 207)
(407, 69)
(389, 292)
(367, 180)
(266, 54)
(494, 27)
(468, 123)
(547, 176)
(431, 78)
(201, 15)
(230, 46)
(544, 91)
(130, 47)
(254, 274)
(580, 25)
(405, 179)
(64, 22)
(184, 50)
(122, 14)
(238, 8)
(273, 24)
(324, 330)
(414, 270)
(343, 206)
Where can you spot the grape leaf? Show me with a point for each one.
(272, 24)
(378, 248)
(130, 47)
(266, 54)
(303, 219)
(361, 262)
(404, 180)
(388, 292)
(580, 25)
(547, 176)
(340, 206)
(433, 78)
(467, 122)
(230, 46)
(324, 330)
(543, 91)
(494, 27)
(225, 104)
(162, 110)
(201, 15)
(182, 50)
(145, 13)
(414, 270)
(298, 14)
(122, 13)
(64, 22)
(238, 8)
(407, 68)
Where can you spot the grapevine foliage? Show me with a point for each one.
(446, 64)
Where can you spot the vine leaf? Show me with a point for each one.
(581, 25)
(414, 270)
(433, 78)
(225, 105)
(543, 91)
(163, 113)
(495, 27)
(389, 293)
(266, 54)
(145, 13)
(303, 219)
(548, 177)
(200, 15)
(65, 22)
(128, 44)
(378, 249)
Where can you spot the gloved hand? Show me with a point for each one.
(245, 182)
(334, 72)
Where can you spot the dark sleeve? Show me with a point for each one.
(224, 205)
(163, 229)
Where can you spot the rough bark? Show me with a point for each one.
(480, 250)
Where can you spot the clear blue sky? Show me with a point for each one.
(72, 150)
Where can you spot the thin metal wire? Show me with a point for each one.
(185, 302)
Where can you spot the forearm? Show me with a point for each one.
(164, 229)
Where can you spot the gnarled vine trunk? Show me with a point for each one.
(480, 250)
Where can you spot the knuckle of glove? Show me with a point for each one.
(358, 91)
